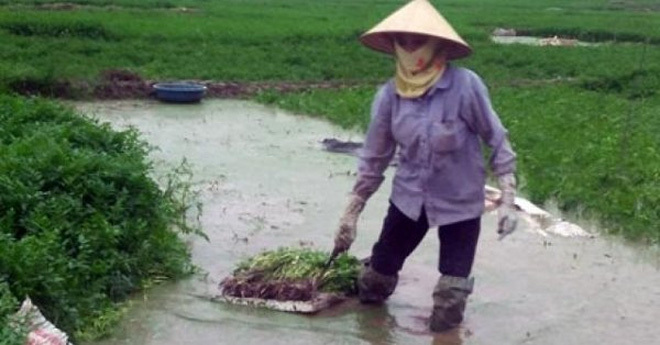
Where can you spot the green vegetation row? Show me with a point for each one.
(253, 40)
(83, 224)
(311, 40)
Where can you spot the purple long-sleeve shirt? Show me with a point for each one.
(441, 166)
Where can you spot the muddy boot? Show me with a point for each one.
(449, 299)
(374, 287)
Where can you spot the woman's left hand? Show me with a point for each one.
(507, 219)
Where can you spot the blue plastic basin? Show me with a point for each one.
(179, 92)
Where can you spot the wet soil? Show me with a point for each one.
(254, 286)
(123, 84)
(266, 182)
(70, 6)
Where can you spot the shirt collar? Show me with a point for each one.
(445, 81)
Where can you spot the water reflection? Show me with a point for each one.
(376, 325)
(452, 337)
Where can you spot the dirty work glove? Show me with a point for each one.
(507, 220)
(348, 223)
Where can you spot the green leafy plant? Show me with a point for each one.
(82, 222)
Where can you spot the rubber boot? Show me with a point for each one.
(449, 300)
(374, 287)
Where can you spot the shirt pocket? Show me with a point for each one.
(447, 136)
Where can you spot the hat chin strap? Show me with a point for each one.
(417, 71)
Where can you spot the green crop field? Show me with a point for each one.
(583, 119)
(598, 100)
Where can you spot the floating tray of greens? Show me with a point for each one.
(291, 279)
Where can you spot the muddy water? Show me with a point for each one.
(539, 41)
(265, 183)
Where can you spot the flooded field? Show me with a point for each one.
(265, 183)
(540, 41)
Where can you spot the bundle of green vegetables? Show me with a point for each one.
(292, 274)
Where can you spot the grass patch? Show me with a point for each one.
(596, 154)
(72, 29)
(348, 108)
(634, 85)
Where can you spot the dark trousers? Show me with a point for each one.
(401, 235)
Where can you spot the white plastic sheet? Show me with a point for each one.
(42, 331)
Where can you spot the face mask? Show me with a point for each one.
(417, 71)
(418, 60)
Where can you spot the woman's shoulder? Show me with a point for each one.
(387, 88)
(463, 74)
(388, 85)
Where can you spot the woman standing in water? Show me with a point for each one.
(436, 115)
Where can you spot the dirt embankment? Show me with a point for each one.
(122, 84)
(72, 6)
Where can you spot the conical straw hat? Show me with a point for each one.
(418, 17)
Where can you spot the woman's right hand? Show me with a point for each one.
(347, 231)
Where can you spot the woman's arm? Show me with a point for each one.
(379, 145)
(482, 119)
(376, 154)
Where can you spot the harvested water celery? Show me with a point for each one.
(292, 274)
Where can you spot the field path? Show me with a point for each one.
(265, 183)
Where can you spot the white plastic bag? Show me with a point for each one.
(42, 332)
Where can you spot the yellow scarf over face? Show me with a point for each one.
(417, 71)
